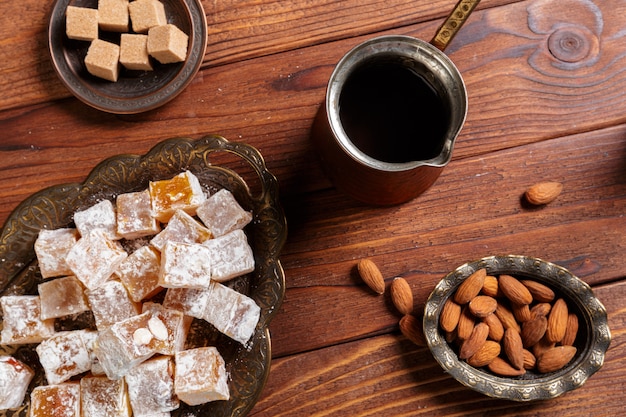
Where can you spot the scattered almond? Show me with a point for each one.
(450, 314)
(476, 340)
(371, 275)
(466, 324)
(541, 293)
(543, 192)
(556, 358)
(507, 318)
(401, 295)
(513, 348)
(557, 321)
(487, 353)
(501, 367)
(470, 288)
(496, 330)
(533, 331)
(529, 360)
(411, 327)
(514, 290)
(482, 305)
(521, 312)
(490, 286)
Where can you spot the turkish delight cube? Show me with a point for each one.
(185, 265)
(139, 273)
(15, 376)
(81, 23)
(103, 60)
(145, 14)
(62, 297)
(113, 15)
(104, 397)
(51, 248)
(134, 210)
(94, 258)
(167, 44)
(169, 328)
(110, 304)
(232, 313)
(62, 400)
(191, 301)
(182, 192)
(151, 387)
(22, 322)
(221, 213)
(63, 356)
(100, 216)
(89, 339)
(181, 228)
(231, 256)
(201, 376)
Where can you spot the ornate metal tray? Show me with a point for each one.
(218, 164)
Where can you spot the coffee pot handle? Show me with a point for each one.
(450, 27)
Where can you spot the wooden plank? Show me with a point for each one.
(387, 375)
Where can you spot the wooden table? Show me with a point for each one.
(547, 101)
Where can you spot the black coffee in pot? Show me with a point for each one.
(392, 113)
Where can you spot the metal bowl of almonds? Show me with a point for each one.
(516, 328)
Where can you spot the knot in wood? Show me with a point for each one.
(570, 44)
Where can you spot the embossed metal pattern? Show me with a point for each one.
(592, 342)
(248, 366)
(135, 91)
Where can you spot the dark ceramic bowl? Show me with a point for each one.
(218, 164)
(592, 341)
(135, 91)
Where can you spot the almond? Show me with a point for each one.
(401, 295)
(541, 346)
(470, 288)
(506, 317)
(490, 286)
(572, 329)
(513, 348)
(371, 275)
(476, 340)
(541, 309)
(543, 192)
(496, 330)
(521, 312)
(411, 327)
(533, 331)
(482, 305)
(501, 367)
(487, 353)
(514, 290)
(541, 293)
(450, 314)
(557, 321)
(529, 360)
(556, 358)
(466, 324)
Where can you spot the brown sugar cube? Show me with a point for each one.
(21, 320)
(101, 396)
(181, 228)
(134, 210)
(81, 23)
(111, 303)
(134, 52)
(191, 301)
(167, 44)
(102, 60)
(200, 376)
(221, 213)
(113, 15)
(15, 376)
(231, 256)
(182, 192)
(139, 273)
(51, 248)
(94, 258)
(63, 356)
(62, 400)
(169, 328)
(151, 387)
(145, 14)
(125, 345)
(232, 313)
(185, 265)
(100, 216)
(62, 297)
